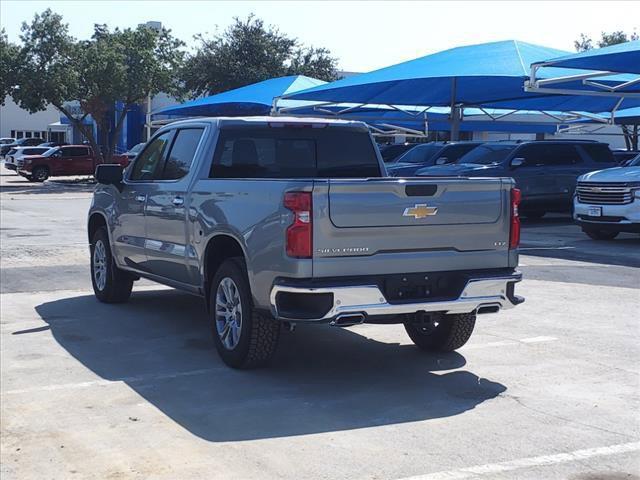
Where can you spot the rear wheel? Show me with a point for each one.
(39, 174)
(441, 333)
(598, 234)
(244, 337)
(110, 284)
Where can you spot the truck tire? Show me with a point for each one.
(244, 337)
(110, 284)
(442, 333)
(39, 174)
(598, 234)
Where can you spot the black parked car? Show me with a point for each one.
(391, 151)
(545, 171)
(428, 154)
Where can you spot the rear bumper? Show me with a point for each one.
(482, 294)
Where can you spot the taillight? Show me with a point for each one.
(514, 237)
(300, 232)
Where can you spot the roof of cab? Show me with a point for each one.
(220, 121)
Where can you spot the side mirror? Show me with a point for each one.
(442, 161)
(109, 174)
(517, 162)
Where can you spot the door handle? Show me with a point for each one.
(178, 201)
(141, 198)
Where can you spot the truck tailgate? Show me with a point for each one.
(410, 225)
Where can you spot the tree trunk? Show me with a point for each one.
(87, 132)
(116, 132)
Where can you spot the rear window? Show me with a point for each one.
(34, 151)
(294, 153)
(453, 152)
(420, 154)
(487, 154)
(599, 153)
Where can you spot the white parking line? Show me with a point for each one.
(505, 343)
(494, 468)
(103, 382)
(538, 339)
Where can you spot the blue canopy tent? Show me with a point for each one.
(254, 99)
(604, 64)
(486, 75)
(620, 58)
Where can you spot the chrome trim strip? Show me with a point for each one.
(369, 300)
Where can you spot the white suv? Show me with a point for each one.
(18, 153)
(607, 202)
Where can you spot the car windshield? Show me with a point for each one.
(487, 154)
(420, 154)
(635, 162)
(50, 152)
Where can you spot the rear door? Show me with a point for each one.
(167, 246)
(83, 161)
(533, 177)
(565, 164)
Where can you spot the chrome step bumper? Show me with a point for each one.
(478, 294)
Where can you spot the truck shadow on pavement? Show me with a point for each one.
(323, 379)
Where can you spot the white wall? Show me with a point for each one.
(13, 117)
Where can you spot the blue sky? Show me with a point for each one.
(363, 35)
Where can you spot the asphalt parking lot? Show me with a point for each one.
(549, 390)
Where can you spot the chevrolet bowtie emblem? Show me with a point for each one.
(420, 211)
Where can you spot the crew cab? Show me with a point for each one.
(62, 161)
(282, 220)
(545, 171)
(607, 202)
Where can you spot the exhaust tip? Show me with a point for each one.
(348, 320)
(488, 309)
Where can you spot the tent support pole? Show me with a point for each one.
(454, 112)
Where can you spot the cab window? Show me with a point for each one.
(151, 157)
(182, 152)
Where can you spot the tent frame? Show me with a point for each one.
(540, 85)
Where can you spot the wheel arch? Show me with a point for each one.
(219, 248)
(96, 220)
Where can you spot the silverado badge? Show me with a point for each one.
(420, 211)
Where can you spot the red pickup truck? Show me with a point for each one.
(63, 161)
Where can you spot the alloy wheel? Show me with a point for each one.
(228, 313)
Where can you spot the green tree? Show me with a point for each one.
(8, 63)
(606, 39)
(120, 67)
(249, 52)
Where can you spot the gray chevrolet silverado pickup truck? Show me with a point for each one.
(277, 220)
